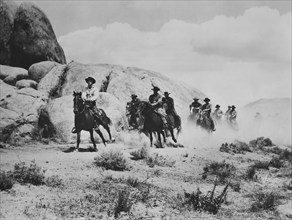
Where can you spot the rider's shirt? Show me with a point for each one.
(196, 106)
(207, 108)
(132, 106)
(155, 99)
(233, 114)
(218, 113)
(169, 102)
(90, 94)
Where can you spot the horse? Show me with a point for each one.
(153, 122)
(84, 120)
(204, 122)
(173, 119)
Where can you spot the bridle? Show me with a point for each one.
(77, 100)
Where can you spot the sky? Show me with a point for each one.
(235, 52)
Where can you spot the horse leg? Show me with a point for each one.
(159, 138)
(151, 139)
(106, 127)
(101, 136)
(172, 135)
(163, 135)
(92, 139)
(78, 139)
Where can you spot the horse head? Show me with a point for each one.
(143, 108)
(77, 102)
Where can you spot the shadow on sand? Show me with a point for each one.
(72, 149)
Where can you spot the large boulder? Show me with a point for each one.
(12, 74)
(6, 90)
(38, 70)
(7, 119)
(118, 81)
(7, 12)
(60, 113)
(26, 101)
(33, 39)
(24, 83)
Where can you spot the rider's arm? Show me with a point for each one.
(84, 96)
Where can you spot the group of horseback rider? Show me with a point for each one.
(196, 108)
(162, 105)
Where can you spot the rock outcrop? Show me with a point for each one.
(26, 83)
(7, 12)
(33, 39)
(12, 74)
(38, 70)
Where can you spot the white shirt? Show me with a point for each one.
(90, 94)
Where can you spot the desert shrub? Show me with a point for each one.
(286, 155)
(140, 154)
(264, 201)
(276, 162)
(133, 181)
(261, 165)
(235, 186)
(111, 160)
(54, 181)
(6, 181)
(123, 202)
(32, 174)
(222, 170)
(260, 143)
(237, 147)
(251, 171)
(209, 202)
(159, 161)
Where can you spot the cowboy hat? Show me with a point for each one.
(134, 96)
(155, 88)
(217, 106)
(207, 100)
(166, 93)
(90, 79)
(233, 106)
(195, 99)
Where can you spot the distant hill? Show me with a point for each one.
(270, 107)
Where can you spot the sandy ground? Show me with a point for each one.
(90, 192)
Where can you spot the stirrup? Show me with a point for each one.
(74, 131)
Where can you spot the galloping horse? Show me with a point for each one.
(153, 122)
(84, 120)
(204, 122)
(173, 120)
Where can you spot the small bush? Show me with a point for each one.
(140, 154)
(54, 181)
(222, 170)
(6, 181)
(251, 171)
(276, 162)
(260, 143)
(237, 147)
(32, 174)
(123, 203)
(262, 165)
(159, 161)
(235, 186)
(264, 201)
(132, 181)
(209, 202)
(112, 161)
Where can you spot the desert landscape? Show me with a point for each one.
(242, 173)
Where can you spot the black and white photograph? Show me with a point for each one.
(145, 110)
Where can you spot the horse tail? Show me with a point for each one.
(105, 118)
(108, 120)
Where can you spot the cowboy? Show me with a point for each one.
(227, 113)
(232, 113)
(195, 106)
(90, 96)
(155, 101)
(132, 108)
(168, 104)
(207, 108)
(218, 113)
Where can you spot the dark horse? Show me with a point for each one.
(204, 122)
(84, 120)
(153, 122)
(173, 119)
